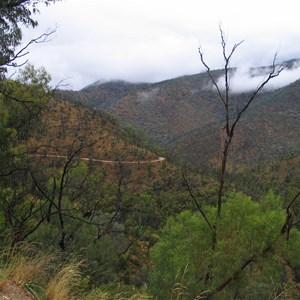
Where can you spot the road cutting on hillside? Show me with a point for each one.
(127, 162)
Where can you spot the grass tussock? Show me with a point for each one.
(62, 285)
(102, 295)
(23, 264)
(44, 276)
(117, 291)
(47, 278)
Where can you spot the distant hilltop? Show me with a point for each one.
(290, 64)
(185, 116)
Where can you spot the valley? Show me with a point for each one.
(185, 116)
(186, 188)
(86, 182)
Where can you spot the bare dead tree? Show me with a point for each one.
(231, 121)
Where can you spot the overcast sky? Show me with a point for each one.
(153, 40)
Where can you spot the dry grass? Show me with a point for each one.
(61, 286)
(26, 266)
(117, 291)
(179, 290)
(23, 264)
(102, 295)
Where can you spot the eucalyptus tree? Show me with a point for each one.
(15, 14)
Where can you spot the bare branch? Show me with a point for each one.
(274, 73)
(289, 223)
(21, 53)
(196, 202)
(238, 271)
(62, 83)
(210, 76)
(24, 102)
(293, 201)
(230, 123)
(268, 248)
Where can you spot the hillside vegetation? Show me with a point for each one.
(184, 114)
(96, 136)
(78, 185)
(91, 209)
(74, 183)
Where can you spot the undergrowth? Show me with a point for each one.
(44, 276)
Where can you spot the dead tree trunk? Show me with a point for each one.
(231, 121)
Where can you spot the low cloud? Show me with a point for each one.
(246, 79)
(150, 41)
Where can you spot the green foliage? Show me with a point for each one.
(111, 222)
(6, 133)
(14, 15)
(136, 136)
(282, 176)
(37, 80)
(186, 254)
(21, 103)
(184, 239)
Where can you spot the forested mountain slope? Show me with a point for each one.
(185, 115)
(70, 128)
(89, 209)
(269, 130)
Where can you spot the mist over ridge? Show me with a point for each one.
(244, 77)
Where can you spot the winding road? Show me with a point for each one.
(159, 159)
